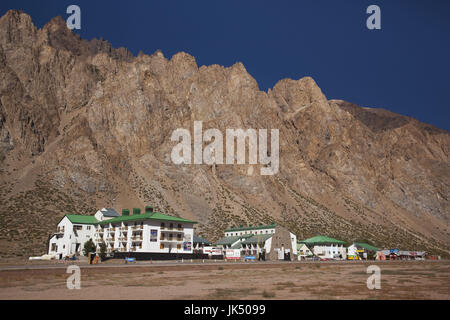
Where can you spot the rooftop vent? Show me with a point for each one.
(125, 212)
(148, 209)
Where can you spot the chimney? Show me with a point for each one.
(136, 211)
(125, 212)
(148, 209)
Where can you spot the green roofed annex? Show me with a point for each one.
(325, 247)
(136, 235)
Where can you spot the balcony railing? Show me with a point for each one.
(168, 229)
(171, 239)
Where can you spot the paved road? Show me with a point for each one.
(177, 263)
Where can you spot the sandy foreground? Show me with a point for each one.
(297, 280)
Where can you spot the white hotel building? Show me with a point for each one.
(147, 235)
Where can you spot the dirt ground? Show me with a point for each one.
(319, 280)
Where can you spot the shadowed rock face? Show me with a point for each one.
(84, 126)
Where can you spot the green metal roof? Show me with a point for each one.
(322, 240)
(365, 246)
(257, 238)
(200, 240)
(269, 226)
(146, 216)
(77, 218)
(232, 239)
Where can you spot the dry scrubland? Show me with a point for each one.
(400, 280)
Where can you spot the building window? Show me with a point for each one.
(88, 227)
(163, 225)
(153, 235)
(54, 247)
(161, 246)
(179, 246)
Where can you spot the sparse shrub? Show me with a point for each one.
(102, 253)
(89, 246)
(268, 294)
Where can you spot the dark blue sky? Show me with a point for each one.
(404, 67)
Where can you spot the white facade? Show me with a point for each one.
(330, 251)
(303, 252)
(69, 238)
(237, 232)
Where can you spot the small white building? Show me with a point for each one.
(326, 248)
(138, 235)
(71, 234)
(303, 252)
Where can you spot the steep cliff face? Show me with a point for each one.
(84, 125)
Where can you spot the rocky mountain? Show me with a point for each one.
(85, 126)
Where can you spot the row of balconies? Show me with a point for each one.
(123, 239)
(138, 228)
